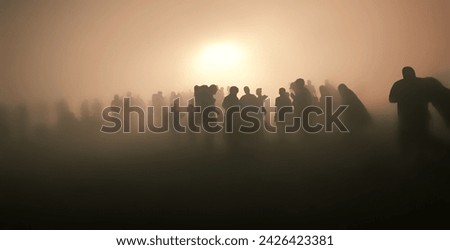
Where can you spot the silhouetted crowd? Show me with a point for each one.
(412, 94)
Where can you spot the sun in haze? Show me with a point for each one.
(224, 63)
(220, 57)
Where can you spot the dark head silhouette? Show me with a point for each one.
(301, 98)
(259, 91)
(246, 90)
(231, 99)
(300, 83)
(213, 89)
(297, 85)
(408, 73)
(342, 88)
(234, 90)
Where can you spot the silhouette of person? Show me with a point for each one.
(172, 97)
(260, 97)
(117, 102)
(281, 101)
(312, 90)
(66, 118)
(440, 98)
(138, 101)
(219, 96)
(301, 98)
(197, 95)
(231, 99)
(331, 89)
(208, 99)
(85, 112)
(209, 95)
(356, 116)
(248, 99)
(96, 111)
(158, 99)
(260, 103)
(157, 103)
(410, 94)
(323, 93)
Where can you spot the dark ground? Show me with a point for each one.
(88, 180)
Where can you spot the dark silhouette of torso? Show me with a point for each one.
(412, 101)
(249, 100)
(229, 101)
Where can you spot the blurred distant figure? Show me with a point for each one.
(329, 90)
(158, 99)
(157, 103)
(410, 94)
(323, 93)
(356, 115)
(66, 119)
(117, 102)
(312, 91)
(231, 99)
(332, 91)
(219, 96)
(202, 96)
(209, 98)
(281, 101)
(130, 95)
(139, 102)
(85, 112)
(172, 97)
(96, 113)
(301, 98)
(209, 101)
(248, 99)
(196, 96)
(282, 118)
(260, 102)
(260, 97)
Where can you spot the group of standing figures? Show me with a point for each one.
(412, 95)
(299, 96)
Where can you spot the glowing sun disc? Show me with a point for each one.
(222, 56)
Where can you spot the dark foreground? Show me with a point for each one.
(324, 181)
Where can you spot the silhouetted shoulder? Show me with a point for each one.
(439, 95)
(395, 90)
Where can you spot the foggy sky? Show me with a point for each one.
(86, 49)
